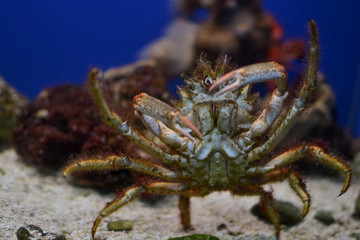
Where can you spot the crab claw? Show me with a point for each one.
(226, 78)
(158, 110)
(255, 73)
(190, 125)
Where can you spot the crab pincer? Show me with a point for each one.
(158, 110)
(255, 73)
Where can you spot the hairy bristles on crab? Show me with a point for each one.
(215, 140)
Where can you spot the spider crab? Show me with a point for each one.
(214, 141)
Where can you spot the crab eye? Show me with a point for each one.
(207, 81)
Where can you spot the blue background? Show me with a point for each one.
(47, 42)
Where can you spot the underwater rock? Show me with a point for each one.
(174, 53)
(129, 80)
(11, 105)
(33, 232)
(64, 121)
(324, 217)
(240, 29)
(289, 214)
(120, 225)
(60, 122)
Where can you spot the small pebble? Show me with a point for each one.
(60, 237)
(195, 237)
(288, 212)
(85, 193)
(324, 217)
(37, 229)
(120, 225)
(355, 236)
(23, 234)
(33, 232)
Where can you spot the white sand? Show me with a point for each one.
(50, 202)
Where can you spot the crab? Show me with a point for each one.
(213, 140)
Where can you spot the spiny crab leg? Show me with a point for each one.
(114, 162)
(313, 152)
(294, 180)
(133, 193)
(255, 73)
(114, 121)
(150, 106)
(299, 103)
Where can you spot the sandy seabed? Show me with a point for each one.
(50, 202)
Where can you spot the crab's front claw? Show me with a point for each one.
(234, 75)
(255, 73)
(160, 111)
(180, 119)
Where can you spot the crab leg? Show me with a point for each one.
(298, 186)
(131, 194)
(312, 151)
(114, 121)
(264, 121)
(184, 207)
(298, 104)
(266, 202)
(294, 180)
(114, 162)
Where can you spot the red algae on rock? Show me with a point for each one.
(64, 121)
